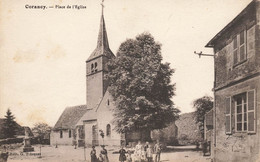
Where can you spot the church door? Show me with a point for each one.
(94, 135)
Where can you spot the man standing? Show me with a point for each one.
(157, 150)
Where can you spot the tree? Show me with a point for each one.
(141, 86)
(202, 106)
(40, 130)
(10, 125)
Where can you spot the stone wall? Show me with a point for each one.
(225, 70)
(232, 80)
(236, 146)
(65, 140)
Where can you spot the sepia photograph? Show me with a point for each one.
(130, 80)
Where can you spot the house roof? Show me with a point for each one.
(102, 42)
(70, 117)
(212, 42)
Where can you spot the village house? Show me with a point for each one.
(236, 115)
(82, 124)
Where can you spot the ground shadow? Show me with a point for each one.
(181, 149)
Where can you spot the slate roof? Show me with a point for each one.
(102, 43)
(70, 117)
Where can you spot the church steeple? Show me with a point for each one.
(96, 67)
(102, 42)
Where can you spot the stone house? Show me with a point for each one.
(236, 115)
(81, 125)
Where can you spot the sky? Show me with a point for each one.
(43, 52)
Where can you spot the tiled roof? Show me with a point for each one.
(70, 117)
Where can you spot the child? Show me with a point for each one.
(93, 154)
(103, 153)
(149, 153)
(128, 156)
(100, 158)
(122, 156)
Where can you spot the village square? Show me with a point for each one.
(130, 114)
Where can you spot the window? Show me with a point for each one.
(61, 134)
(241, 110)
(81, 132)
(241, 113)
(94, 67)
(108, 130)
(69, 133)
(108, 102)
(239, 48)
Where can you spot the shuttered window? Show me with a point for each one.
(239, 48)
(251, 115)
(241, 112)
(228, 115)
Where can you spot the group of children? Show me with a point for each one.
(141, 153)
(102, 156)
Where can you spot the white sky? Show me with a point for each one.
(43, 52)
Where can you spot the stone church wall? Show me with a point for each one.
(65, 140)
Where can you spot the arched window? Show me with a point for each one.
(61, 134)
(92, 68)
(69, 133)
(95, 66)
(108, 130)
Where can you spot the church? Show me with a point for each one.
(82, 125)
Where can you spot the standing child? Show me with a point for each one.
(122, 156)
(128, 156)
(138, 151)
(103, 153)
(93, 154)
(157, 151)
(149, 153)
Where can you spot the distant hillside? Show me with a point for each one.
(188, 129)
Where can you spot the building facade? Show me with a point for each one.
(82, 125)
(236, 114)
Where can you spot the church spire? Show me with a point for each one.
(102, 42)
(102, 35)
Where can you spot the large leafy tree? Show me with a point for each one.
(40, 130)
(141, 86)
(10, 125)
(202, 106)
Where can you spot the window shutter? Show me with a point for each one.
(242, 45)
(251, 124)
(235, 50)
(228, 115)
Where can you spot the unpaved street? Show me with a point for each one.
(69, 153)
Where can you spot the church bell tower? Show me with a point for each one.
(96, 67)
